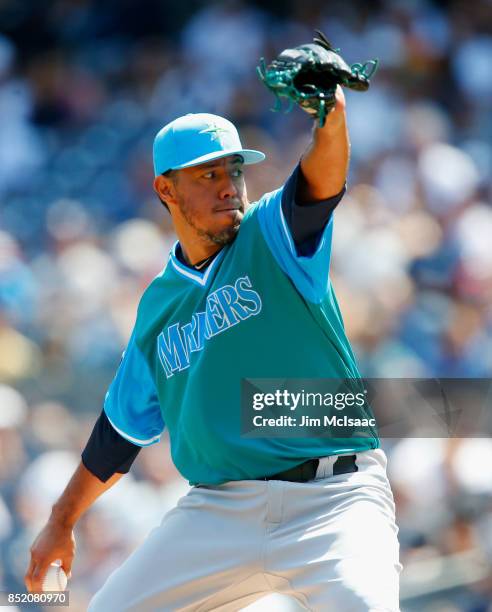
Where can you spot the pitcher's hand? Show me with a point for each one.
(56, 541)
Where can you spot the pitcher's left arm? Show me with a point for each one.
(325, 163)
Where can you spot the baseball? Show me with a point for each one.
(55, 579)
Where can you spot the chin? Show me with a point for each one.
(225, 236)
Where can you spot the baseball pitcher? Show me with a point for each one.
(246, 293)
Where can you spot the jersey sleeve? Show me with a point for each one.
(131, 404)
(309, 272)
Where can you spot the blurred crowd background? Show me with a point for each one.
(84, 86)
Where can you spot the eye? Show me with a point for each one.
(237, 172)
(209, 175)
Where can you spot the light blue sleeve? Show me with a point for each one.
(131, 403)
(310, 274)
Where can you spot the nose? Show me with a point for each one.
(228, 189)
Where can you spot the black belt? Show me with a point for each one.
(307, 471)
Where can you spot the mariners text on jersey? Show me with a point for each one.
(225, 307)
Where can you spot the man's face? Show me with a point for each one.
(211, 198)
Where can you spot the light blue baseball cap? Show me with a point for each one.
(197, 138)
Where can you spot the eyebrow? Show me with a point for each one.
(236, 160)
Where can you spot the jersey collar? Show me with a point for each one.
(197, 277)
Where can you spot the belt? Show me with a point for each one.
(307, 471)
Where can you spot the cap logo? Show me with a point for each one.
(214, 131)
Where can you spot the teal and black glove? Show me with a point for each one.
(308, 76)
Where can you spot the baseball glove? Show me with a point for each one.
(308, 76)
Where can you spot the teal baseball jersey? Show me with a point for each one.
(259, 310)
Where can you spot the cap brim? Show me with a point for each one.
(250, 156)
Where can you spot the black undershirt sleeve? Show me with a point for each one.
(307, 221)
(107, 452)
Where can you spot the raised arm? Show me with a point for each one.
(56, 539)
(310, 76)
(299, 231)
(326, 161)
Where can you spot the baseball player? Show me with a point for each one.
(246, 293)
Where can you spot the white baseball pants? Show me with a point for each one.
(330, 543)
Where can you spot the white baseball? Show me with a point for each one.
(55, 579)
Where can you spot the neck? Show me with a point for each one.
(196, 251)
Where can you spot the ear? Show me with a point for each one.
(164, 187)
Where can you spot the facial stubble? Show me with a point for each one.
(221, 238)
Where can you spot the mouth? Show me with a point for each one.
(230, 209)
